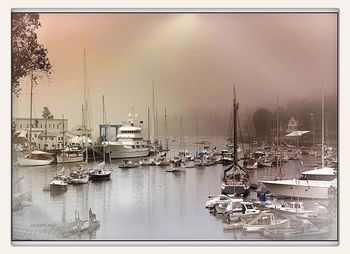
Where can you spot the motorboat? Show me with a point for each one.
(36, 158)
(306, 186)
(221, 207)
(216, 200)
(58, 184)
(100, 174)
(129, 142)
(265, 220)
(241, 209)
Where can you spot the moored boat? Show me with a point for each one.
(36, 158)
(265, 220)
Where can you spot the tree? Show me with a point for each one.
(46, 114)
(28, 56)
(262, 122)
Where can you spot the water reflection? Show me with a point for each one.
(139, 203)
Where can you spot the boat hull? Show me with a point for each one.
(121, 151)
(32, 162)
(79, 181)
(100, 177)
(305, 189)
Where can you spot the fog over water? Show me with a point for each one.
(194, 60)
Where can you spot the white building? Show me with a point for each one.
(45, 133)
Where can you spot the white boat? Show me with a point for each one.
(36, 158)
(265, 220)
(129, 143)
(213, 201)
(241, 209)
(58, 183)
(221, 207)
(305, 187)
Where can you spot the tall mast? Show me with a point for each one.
(153, 113)
(104, 127)
(63, 137)
(149, 125)
(277, 133)
(322, 128)
(31, 111)
(84, 109)
(165, 130)
(235, 108)
(181, 135)
(197, 148)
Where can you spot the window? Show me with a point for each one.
(49, 125)
(27, 125)
(20, 126)
(41, 125)
(137, 146)
(35, 135)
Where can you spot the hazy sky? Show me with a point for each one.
(194, 60)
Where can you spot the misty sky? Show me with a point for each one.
(194, 60)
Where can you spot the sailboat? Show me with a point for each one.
(312, 184)
(34, 157)
(100, 173)
(235, 180)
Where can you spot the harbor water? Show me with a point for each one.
(144, 203)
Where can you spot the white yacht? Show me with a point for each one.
(313, 184)
(130, 142)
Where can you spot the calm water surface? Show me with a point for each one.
(139, 203)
